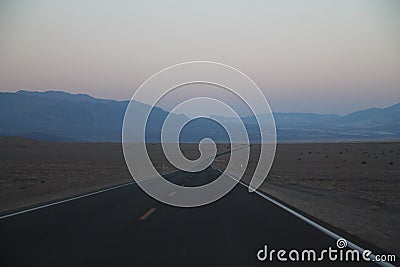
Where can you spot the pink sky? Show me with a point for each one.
(307, 56)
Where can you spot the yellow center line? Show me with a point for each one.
(147, 214)
(172, 193)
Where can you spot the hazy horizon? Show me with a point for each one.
(211, 112)
(306, 56)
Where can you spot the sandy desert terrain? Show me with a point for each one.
(352, 186)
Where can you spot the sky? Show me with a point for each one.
(306, 56)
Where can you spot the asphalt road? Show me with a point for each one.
(126, 227)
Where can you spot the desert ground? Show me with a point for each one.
(354, 187)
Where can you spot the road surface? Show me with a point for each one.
(126, 227)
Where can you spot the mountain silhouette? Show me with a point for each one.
(61, 116)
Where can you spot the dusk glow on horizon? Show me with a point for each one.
(306, 56)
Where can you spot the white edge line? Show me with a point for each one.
(65, 200)
(74, 198)
(315, 225)
(294, 213)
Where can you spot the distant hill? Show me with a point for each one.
(61, 116)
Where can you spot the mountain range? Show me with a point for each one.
(61, 116)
